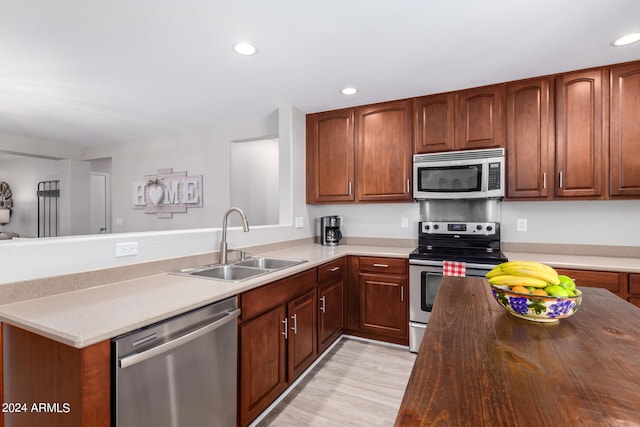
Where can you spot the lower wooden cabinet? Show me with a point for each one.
(634, 289)
(625, 285)
(377, 299)
(74, 382)
(277, 340)
(330, 302)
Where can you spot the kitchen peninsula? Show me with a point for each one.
(478, 365)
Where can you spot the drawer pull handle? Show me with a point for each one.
(295, 324)
(286, 327)
(381, 265)
(323, 300)
(335, 269)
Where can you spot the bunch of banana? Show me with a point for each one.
(525, 273)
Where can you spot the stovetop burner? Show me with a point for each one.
(472, 242)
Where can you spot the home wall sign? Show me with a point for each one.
(167, 192)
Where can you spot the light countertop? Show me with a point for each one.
(84, 317)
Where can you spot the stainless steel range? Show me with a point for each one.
(477, 244)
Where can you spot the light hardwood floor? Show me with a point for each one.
(358, 383)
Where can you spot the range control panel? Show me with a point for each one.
(459, 228)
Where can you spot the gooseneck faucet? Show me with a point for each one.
(223, 242)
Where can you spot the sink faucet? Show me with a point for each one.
(223, 242)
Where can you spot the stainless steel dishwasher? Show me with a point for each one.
(179, 372)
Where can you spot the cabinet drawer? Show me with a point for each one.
(383, 265)
(594, 279)
(634, 284)
(265, 297)
(331, 270)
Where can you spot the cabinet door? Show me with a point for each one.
(610, 280)
(384, 152)
(330, 156)
(383, 305)
(302, 341)
(434, 123)
(330, 312)
(481, 121)
(262, 353)
(579, 153)
(530, 166)
(625, 131)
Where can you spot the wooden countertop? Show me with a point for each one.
(478, 365)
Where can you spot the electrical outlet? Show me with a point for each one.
(404, 223)
(522, 224)
(126, 249)
(299, 222)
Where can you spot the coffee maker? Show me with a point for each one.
(330, 233)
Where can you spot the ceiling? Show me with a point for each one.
(95, 72)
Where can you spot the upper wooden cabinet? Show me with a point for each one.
(480, 118)
(362, 154)
(464, 120)
(434, 123)
(579, 136)
(530, 142)
(330, 156)
(384, 152)
(624, 131)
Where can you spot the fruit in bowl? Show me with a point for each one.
(534, 291)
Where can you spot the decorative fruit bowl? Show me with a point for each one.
(534, 291)
(536, 307)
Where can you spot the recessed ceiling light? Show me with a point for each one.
(349, 91)
(245, 48)
(626, 39)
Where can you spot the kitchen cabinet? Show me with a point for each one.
(330, 156)
(384, 152)
(360, 154)
(480, 118)
(634, 289)
(530, 139)
(610, 280)
(377, 299)
(462, 120)
(75, 383)
(330, 302)
(434, 118)
(624, 131)
(277, 340)
(579, 134)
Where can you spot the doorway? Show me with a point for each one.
(100, 221)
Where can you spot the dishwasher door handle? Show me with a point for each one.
(134, 359)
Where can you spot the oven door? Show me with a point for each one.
(424, 283)
(425, 278)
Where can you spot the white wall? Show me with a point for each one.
(610, 223)
(23, 175)
(35, 258)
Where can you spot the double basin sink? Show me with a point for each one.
(241, 270)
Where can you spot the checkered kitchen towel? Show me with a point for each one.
(454, 268)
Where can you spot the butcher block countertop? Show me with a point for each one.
(479, 365)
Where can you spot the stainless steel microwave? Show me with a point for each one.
(471, 174)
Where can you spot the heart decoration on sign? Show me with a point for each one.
(156, 193)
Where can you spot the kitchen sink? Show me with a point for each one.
(269, 263)
(240, 270)
(229, 272)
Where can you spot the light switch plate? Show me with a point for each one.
(299, 222)
(522, 224)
